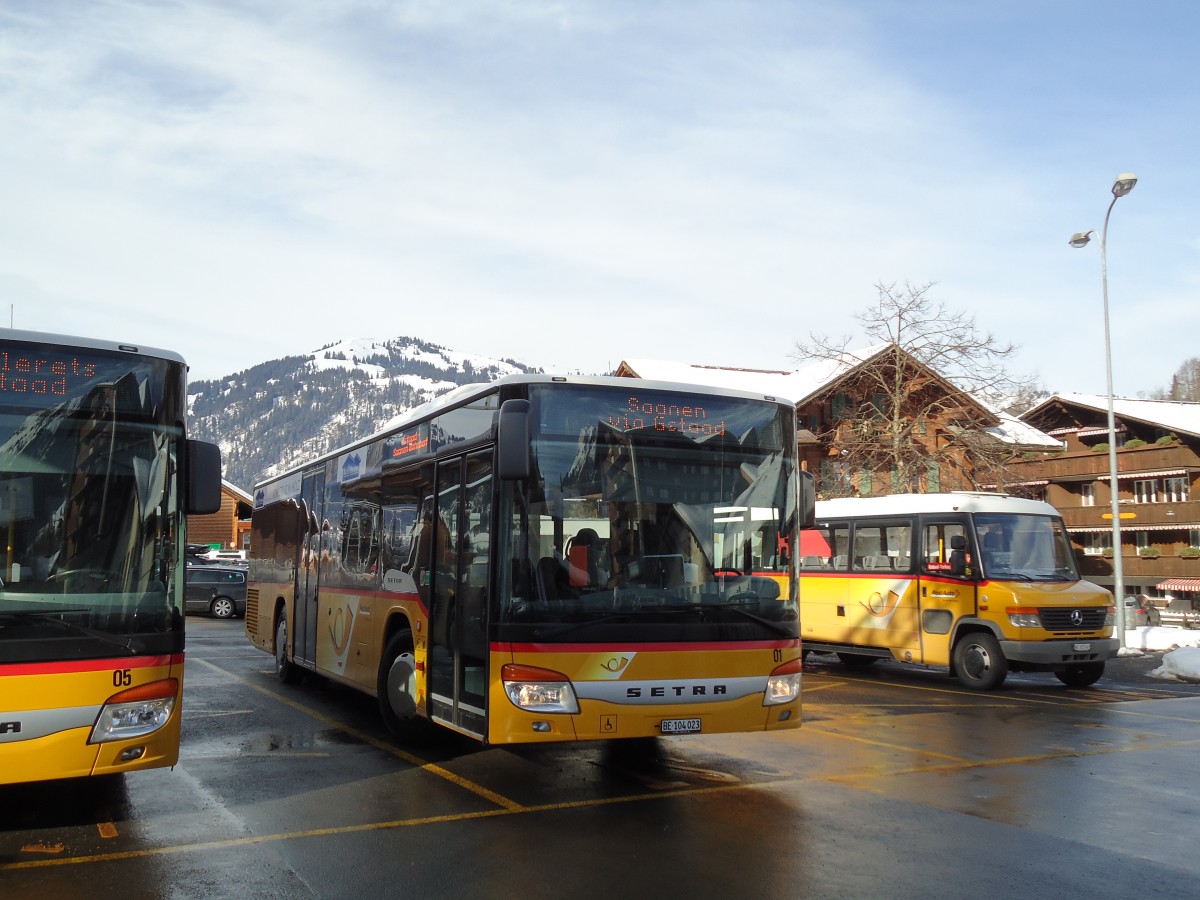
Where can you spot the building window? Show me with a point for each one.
(1175, 490)
(1087, 495)
(1145, 490)
(1095, 542)
(1142, 539)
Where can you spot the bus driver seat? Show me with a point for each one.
(958, 554)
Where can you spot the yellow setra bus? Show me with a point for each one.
(982, 584)
(96, 477)
(546, 559)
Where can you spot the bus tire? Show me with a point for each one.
(1080, 675)
(285, 670)
(396, 692)
(857, 660)
(978, 661)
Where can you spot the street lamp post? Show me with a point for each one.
(1122, 186)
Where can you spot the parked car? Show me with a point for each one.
(1139, 611)
(217, 590)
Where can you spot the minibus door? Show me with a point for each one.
(947, 583)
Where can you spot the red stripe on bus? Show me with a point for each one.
(610, 646)
(67, 667)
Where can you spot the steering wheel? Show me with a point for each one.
(99, 575)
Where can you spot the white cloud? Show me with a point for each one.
(564, 182)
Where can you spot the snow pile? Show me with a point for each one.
(1181, 659)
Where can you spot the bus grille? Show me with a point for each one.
(1077, 618)
(252, 611)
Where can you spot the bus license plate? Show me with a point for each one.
(680, 726)
(1082, 648)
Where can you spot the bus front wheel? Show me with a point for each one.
(978, 661)
(1081, 674)
(397, 691)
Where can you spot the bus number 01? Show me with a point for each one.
(122, 678)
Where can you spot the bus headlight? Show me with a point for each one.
(784, 684)
(136, 712)
(1022, 617)
(539, 690)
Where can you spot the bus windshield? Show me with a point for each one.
(88, 443)
(664, 510)
(1024, 547)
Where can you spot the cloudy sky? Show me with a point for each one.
(574, 182)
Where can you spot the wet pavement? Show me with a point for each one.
(900, 784)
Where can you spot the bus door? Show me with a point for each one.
(458, 645)
(947, 590)
(312, 495)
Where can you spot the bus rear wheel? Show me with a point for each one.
(1081, 674)
(285, 670)
(979, 662)
(857, 660)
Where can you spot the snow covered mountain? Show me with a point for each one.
(283, 412)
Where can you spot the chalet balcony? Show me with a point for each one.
(1077, 466)
(1135, 516)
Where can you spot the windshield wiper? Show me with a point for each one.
(51, 616)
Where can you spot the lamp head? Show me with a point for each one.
(1080, 238)
(1124, 184)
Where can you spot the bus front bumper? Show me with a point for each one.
(1060, 653)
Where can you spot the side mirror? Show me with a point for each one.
(513, 452)
(203, 478)
(808, 501)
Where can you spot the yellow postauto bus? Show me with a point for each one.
(96, 478)
(983, 584)
(546, 558)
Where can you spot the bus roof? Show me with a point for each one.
(464, 394)
(905, 504)
(87, 343)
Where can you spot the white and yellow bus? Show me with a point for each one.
(546, 559)
(983, 584)
(96, 479)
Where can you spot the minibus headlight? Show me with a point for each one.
(539, 690)
(1022, 617)
(136, 712)
(784, 684)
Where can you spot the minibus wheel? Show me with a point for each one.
(979, 662)
(1081, 674)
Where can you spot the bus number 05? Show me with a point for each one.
(122, 678)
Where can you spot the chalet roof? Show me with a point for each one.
(805, 383)
(237, 492)
(798, 385)
(1170, 415)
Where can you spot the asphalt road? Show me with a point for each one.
(900, 784)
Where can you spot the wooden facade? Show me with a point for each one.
(1158, 466)
(228, 528)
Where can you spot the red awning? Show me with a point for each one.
(813, 543)
(1179, 584)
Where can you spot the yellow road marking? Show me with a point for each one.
(413, 760)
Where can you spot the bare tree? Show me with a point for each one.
(914, 419)
(1185, 383)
